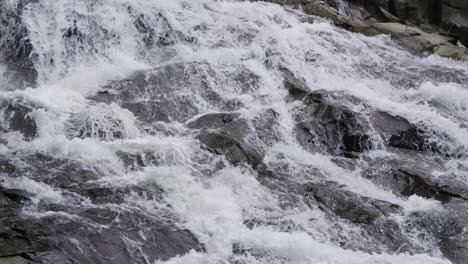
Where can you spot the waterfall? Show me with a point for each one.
(215, 131)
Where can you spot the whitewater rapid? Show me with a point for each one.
(231, 35)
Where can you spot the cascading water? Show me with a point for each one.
(228, 132)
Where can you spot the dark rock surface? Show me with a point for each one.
(347, 205)
(410, 173)
(323, 124)
(296, 86)
(100, 232)
(17, 116)
(227, 138)
(155, 93)
(398, 131)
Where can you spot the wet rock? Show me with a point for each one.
(326, 124)
(155, 33)
(213, 121)
(389, 233)
(397, 29)
(12, 242)
(453, 236)
(56, 172)
(102, 122)
(412, 182)
(245, 80)
(224, 134)
(411, 173)
(398, 131)
(425, 42)
(70, 240)
(296, 86)
(78, 233)
(116, 195)
(17, 115)
(265, 126)
(235, 151)
(132, 161)
(168, 93)
(347, 205)
(6, 167)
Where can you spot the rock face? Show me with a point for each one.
(101, 233)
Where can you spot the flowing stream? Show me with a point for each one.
(208, 57)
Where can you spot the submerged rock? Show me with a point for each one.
(410, 173)
(227, 138)
(74, 231)
(240, 141)
(347, 205)
(17, 116)
(168, 93)
(296, 86)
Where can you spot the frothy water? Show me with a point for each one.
(81, 46)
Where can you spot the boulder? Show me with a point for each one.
(71, 231)
(398, 30)
(102, 122)
(348, 205)
(398, 131)
(213, 120)
(229, 135)
(17, 116)
(326, 124)
(408, 172)
(451, 51)
(161, 34)
(174, 92)
(296, 86)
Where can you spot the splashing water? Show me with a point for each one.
(231, 51)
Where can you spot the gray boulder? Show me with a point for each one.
(167, 93)
(17, 116)
(325, 124)
(105, 231)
